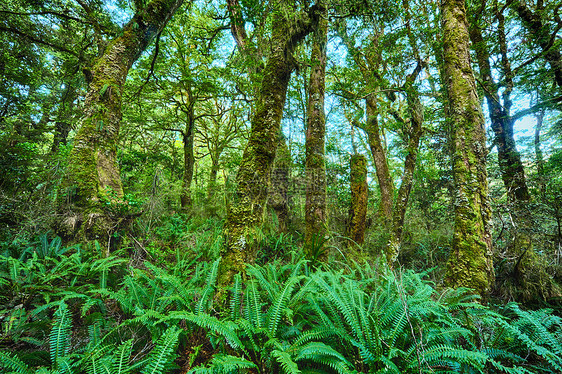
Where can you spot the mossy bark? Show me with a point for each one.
(359, 199)
(315, 164)
(470, 262)
(279, 191)
(376, 144)
(93, 176)
(245, 211)
(188, 163)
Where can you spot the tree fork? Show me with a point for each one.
(245, 212)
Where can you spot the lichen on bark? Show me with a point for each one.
(359, 199)
(247, 206)
(92, 180)
(470, 262)
(315, 164)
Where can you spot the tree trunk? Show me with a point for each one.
(415, 111)
(386, 184)
(511, 167)
(279, 192)
(470, 262)
(62, 124)
(212, 186)
(188, 163)
(359, 199)
(315, 207)
(93, 176)
(539, 156)
(245, 211)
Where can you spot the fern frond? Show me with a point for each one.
(163, 354)
(224, 364)
(59, 339)
(280, 303)
(122, 355)
(226, 329)
(202, 306)
(11, 362)
(287, 364)
(235, 300)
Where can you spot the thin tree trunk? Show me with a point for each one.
(359, 199)
(539, 156)
(279, 192)
(93, 175)
(511, 167)
(188, 163)
(245, 212)
(386, 184)
(315, 207)
(470, 262)
(415, 111)
(62, 124)
(212, 186)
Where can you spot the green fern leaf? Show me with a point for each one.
(59, 339)
(162, 355)
(287, 364)
(280, 304)
(11, 362)
(121, 363)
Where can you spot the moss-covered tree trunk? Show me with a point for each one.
(359, 199)
(374, 138)
(279, 191)
(470, 262)
(315, 207)
(245, 211)
(93, 175)
(188, 162)
(212, 186)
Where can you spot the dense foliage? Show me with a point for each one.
(244, 186)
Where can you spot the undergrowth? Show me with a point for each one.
(70, 310)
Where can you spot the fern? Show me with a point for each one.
(162, 356)
(235, 300)
(209, 288)
(12, 363)
(224, 364)
(286, 362)
(280, 303)
(121, 361)
(59, 339)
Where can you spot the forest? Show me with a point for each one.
(277, 186)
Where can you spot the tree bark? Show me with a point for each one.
(315, 206)
(93, 175)
(188, 163)
(359, 199)
(279, 192)
(245, 211)
(415, 131)
(374, 138)
(511, 167)
(539, 156)
(470, 262)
